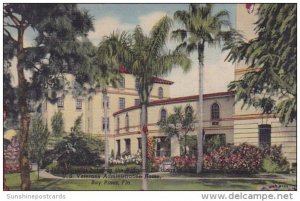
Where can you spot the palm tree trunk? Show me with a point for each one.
(200, 108)
(185, 144)
(25, 119)
(105, 129)
(144, 146)
(38, 171)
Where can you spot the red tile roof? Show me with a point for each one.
(123, 70)
(179, 99)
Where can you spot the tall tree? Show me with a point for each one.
(57, 123)
(146, 57)
(106, 74)
(56, 50)
(200, 27)
(38, 137)
(179, 124)
(271, 81)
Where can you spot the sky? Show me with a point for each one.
(125, 17)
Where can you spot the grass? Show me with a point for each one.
(13, 181)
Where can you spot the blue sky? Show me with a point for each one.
(110, 17)
(124, 17)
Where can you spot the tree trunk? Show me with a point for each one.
(25, 119)
(144, 146)
(106, 129)
(38, 171)
(184, 144)
(200, 108)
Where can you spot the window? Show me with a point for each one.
(118, 148)
(78, 104)
(107, 103)
(160, 93)
(137, 102)
(136, 84)
(45, 105)
(127, 122)
(60, 102)
(121, 103)
(189, 111)
(127, 146)
(264, 134)
(163, 115)
(103, 123)
(140, 143)
(213, 138)
(215, 112)
(122, 83)
(118, 125)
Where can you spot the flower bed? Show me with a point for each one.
(234, 159)
(130, 159)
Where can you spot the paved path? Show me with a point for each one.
(47, 175)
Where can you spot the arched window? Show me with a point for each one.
(215, 111)
(127, 122)
(160, 93)
(189, 112)
(163, 115)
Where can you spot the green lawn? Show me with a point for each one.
(13, 181)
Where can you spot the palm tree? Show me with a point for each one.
(200, 28)
(146, 57)
(105, 74)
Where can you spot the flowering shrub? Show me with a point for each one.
(11, 156)
(185, 164)
(157, 161)
(234, 159)
(130, 159)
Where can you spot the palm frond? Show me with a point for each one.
(179, 34)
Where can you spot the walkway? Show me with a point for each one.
(167, 175)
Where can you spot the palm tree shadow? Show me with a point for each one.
(50, 185)
(231, 185)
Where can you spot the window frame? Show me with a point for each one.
(161, 114)
(213, 112)
(264, 134)
(122, 103)
(103, 123)
(60, 102)
(122, 83)
(160, 93)
(76, 104)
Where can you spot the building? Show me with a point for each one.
(221, 116)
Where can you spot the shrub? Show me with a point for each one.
(233, 159)
(129, 159)
(185, 164)
(130, 168)
(212, 143)
(273, 157)
(55, 169)
(274, 153)
(270, 166)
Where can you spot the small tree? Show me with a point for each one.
(38, 137)
(78, 149)
(179, 124)
(57, 123)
